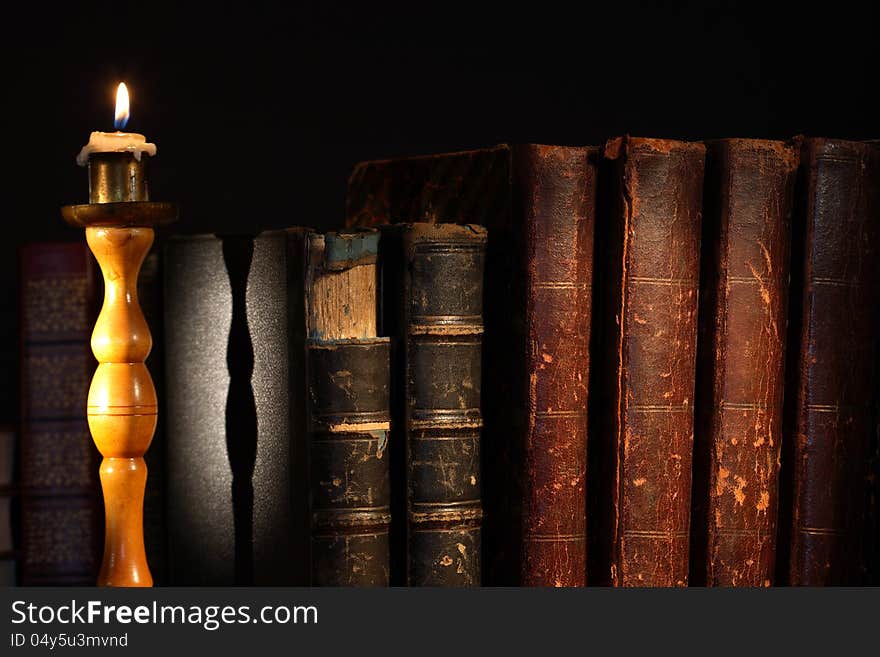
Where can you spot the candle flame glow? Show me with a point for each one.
(122, 107)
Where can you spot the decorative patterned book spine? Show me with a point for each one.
(61, 495)
(741, 358)
(553, 213)
(438, 322)
(349, 416)
(835, 324)
(651, 294)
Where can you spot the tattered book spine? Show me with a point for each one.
(835, 323)
(348, 390)
(651, 341)
(443, 324)
(749, 186)
(553, 208)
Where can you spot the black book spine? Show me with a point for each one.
(348, 390)
(349, 417)
(348, 411)
(443, 324)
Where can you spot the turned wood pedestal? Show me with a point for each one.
(122, 407)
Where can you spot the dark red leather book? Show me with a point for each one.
(743, 309)
(62, 511)
(553, 208)
(538, 204)
(650, 234)
(834, 384)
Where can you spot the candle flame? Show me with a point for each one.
(122, 107)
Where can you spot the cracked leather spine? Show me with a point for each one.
(834, 382)
(650, 288)
(553, 208)
(741, 355)
(349, 415)
(440, 329)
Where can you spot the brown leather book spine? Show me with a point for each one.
(652, 282)
(835, 383)
(553, 207)
(741, 358)
(61, 496)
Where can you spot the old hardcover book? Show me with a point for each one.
(349, 407)
(642, 450)
(62, 512)
(834, 383)
(237, 511)
(437, 320)
(741, 357)
(551, 228)
(538, 203)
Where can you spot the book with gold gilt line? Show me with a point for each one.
(650, 262)
(432, 300)
(348, 385)
(832, 394)
(743, 311)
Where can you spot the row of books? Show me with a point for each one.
(648, 364)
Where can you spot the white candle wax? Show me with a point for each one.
(115, 142)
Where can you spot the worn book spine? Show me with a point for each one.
(230, 430)
(650, 289)
(440, 329)
(741, 358)
(349, 412)
(553, 208)
(62, 512)
(834, 381)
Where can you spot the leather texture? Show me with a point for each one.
(349, 391)
(524, 195)
(469, 187)
(553, 208)
(61, 507)
(835, 384)
(650, 287)
(442, 332)
(741, 358)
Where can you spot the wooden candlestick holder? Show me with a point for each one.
(122, 407)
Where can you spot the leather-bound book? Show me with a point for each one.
(553, 211)
(741, 359)
(236, 508)
(641, 453)
(538, 203)
(833, 339)
(438, 323)
(62, 511)
(349, 422)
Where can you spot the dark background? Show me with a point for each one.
(260, 111)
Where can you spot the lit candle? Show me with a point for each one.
(117, 142)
